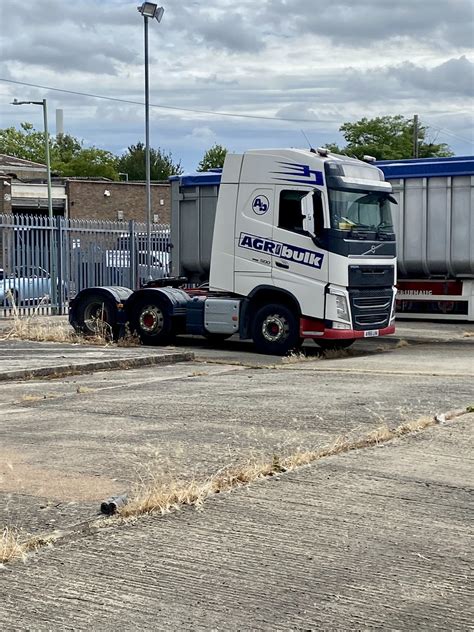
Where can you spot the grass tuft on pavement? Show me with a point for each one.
(154, 495)
(11, 547)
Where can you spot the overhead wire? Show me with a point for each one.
(199, 111)
(163, 107)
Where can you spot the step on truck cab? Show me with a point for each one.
(282, 245)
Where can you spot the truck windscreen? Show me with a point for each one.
(353, 210)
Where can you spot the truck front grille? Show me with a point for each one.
(370, 308)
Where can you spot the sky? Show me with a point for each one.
(290, 70)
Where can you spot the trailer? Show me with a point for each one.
(434, 223)
(281, 246)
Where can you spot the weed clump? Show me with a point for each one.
(11, 547)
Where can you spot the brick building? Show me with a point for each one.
(23, 190)
(104, 199)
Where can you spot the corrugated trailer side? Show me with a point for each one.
(193, 213)
(434, 223)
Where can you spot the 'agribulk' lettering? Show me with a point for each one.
(285, 251)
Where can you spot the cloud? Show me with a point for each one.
(362, 23)
(454, 78)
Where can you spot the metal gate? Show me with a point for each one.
(46, 261)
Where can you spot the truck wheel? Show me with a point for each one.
(152, 322)
(275, 330)
(334, 345)
(95, 314)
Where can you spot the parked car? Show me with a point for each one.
(25, 286)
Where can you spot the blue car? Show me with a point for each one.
(25, 286)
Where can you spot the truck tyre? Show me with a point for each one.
(152, 322)
(275, 330)
(95, 314)
(334, 345)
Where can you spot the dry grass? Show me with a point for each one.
(31, 328)
(34, 328)
(161, 496)
(402, 343)
(334, 354)
(37, 397)
(11, 548)
(129, 339)
(297, 356)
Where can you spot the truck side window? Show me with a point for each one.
(290, 216)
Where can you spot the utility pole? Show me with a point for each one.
(415, 136)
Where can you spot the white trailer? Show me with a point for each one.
(283, 245)
(434, 223)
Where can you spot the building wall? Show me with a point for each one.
(86, 200)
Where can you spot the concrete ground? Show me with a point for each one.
(372, 539)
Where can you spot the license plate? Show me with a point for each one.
(370, 333)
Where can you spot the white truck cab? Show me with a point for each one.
(314, 226)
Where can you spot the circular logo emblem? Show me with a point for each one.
(260, 205)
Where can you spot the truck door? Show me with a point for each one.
(299, 265)
(253, 237)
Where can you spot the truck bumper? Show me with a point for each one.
(313, 328)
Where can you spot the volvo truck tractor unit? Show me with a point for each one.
(279, 246)
(434, 224)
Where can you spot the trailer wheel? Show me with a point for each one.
(95, 314)
(152, 322)
(275, 330)
(335, 345)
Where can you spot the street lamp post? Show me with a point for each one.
(148, 10)
(46, 146)
(52, 261)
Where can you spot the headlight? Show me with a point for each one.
(342, 307)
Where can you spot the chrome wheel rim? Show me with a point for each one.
(275, 328)
(151, 319)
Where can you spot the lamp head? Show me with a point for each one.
(151, 10)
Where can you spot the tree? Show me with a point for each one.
(132, 162)
(68, 156)
(388, 138)
(90, 162)
(25, 143)
(213, 158)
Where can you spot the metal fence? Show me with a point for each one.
(46, 261)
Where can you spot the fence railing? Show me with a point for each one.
(46, 261)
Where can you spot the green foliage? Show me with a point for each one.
(25, 143)
(213, 158)
(89, 162)
(132, 162)
(68, 156)
(388, 138)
